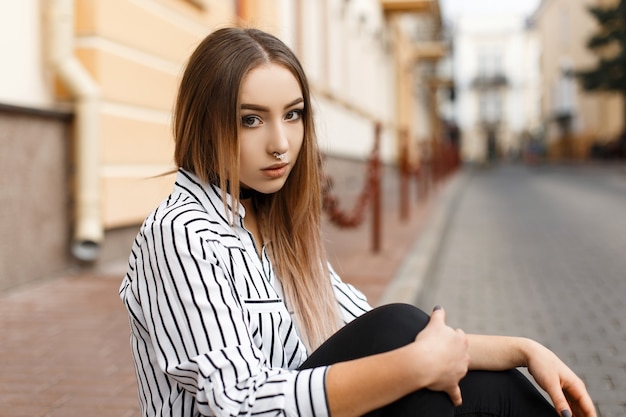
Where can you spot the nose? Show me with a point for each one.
(279, 139)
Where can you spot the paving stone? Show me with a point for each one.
(612, 410)
(539, 252)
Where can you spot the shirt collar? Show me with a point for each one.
(208, 195)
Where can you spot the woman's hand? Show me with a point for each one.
(437, 359)
(567, 391)
(498, 353)
(447, 350)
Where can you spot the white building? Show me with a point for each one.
(497, 83)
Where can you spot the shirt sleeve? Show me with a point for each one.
(352, 302)
(200, 335)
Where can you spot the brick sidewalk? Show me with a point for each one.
(350, 250)
(64, 350)
(64, 342)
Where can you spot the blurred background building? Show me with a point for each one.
(516, 84)
(88, 86)
(573, 119)
(497, 85)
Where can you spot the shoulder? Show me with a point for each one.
(183, 215)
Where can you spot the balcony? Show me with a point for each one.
(390, 6)
(430, 7)
(493, 81)
(429, 51)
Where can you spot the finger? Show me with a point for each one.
(579, 400)
(559, 401)
(438, 313)
(455, 396)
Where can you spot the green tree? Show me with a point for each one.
(609, 45)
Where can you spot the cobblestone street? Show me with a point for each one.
(541, 252)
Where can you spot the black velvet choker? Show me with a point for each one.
(245, 193)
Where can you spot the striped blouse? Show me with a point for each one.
(210, 333)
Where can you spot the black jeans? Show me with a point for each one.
(485, 393)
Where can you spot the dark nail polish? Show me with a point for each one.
(438, 307)
(566, 413)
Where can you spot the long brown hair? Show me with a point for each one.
(206, 125)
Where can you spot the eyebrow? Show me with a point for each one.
(245, 106)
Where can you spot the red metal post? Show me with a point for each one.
(376, 198)
(404, 175)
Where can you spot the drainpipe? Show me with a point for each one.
(88, 228)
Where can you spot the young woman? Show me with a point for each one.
(234, 310)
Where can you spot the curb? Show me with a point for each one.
(413, 273)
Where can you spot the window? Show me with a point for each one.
(489, 63)
(490, 107)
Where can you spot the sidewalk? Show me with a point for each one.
(539, 252)
(350, 250)
(64, 342)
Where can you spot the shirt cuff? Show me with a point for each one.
(309, 394)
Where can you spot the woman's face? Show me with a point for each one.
(271, 124)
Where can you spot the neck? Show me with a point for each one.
(247, 204)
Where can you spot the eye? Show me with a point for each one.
(250, 121)
(293, 115)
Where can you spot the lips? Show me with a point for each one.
(276, 170)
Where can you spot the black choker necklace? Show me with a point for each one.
(245, 193)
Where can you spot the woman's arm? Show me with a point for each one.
(567, 391)
(437, 359)
(497, 353)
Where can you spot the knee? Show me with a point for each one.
(404, 313)
(401, 322)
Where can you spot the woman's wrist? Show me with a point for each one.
(526, 348)
(496, 353)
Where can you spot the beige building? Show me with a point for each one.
(92, 82)
(572, 118)
(96, 80)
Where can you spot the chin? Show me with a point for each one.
(264, 186)
(271, 189)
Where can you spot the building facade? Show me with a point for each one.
(572, 118)
(100, 78)
(496, 78)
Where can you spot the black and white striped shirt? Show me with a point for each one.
(210, 334)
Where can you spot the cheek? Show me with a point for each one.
(297, 139)
(248, 147)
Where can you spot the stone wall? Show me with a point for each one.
(34, 194)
